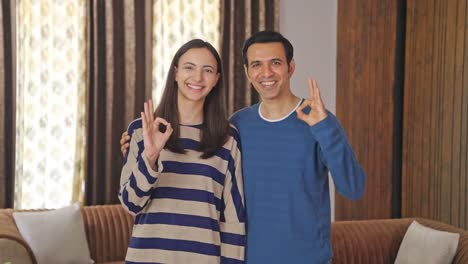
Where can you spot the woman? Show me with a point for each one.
(182, 174)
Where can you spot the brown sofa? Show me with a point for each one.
(108, 231)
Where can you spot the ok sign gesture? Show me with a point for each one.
(154, 140)
(317, 108)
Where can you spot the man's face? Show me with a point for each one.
(268, 70)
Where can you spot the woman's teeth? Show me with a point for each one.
(195, 87)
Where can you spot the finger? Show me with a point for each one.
(143, 120)
(125, 133)
(300, 114)
(303, 105)
(316, 90)
(160, 120)
(124, 139)
(299, 110)
(147, 113)
(311, 89)
(151, 111)
(318, 95)
(169, 129)
(124, 148)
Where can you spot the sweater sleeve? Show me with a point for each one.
(137, 179)
(339, 158)
(232, 220)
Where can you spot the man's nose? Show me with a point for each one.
(266, 71)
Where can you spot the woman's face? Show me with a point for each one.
(196, 74)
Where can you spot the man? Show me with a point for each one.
(288, 147)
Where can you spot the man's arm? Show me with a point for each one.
(338, 156)
(336, 152)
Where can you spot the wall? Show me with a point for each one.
(311, 28)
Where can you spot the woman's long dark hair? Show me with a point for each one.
(215, 127)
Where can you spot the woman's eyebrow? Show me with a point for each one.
(190, 63)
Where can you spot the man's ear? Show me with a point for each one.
(246, 70)
(292, 67)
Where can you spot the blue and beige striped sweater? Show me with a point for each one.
(191, 210)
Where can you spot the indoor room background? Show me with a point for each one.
(394, 72)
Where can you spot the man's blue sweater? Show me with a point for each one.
(285, 166)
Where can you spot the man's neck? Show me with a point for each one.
(279, 108)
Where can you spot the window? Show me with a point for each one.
(176, 22)
(51, 72)
(50, 131)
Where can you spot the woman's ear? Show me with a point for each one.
(217, 78)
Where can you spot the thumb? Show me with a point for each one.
(300, 114)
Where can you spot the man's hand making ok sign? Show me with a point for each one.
(317, 108)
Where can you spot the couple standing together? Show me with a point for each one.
(254, 188)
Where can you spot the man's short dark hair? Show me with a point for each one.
(268, 36)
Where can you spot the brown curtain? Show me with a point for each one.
(240, 19)
(119, 81)
(7, 103)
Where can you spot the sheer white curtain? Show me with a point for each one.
(51, 67)
(50, 101)
(176, 22)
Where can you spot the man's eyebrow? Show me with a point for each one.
(259, 61)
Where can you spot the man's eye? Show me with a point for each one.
(276, 62)
(209, 70)
(188, 68)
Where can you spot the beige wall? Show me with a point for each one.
(311, 27)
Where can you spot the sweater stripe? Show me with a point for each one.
(187, 195)
(225, 260)
(178, 219)
(233, 239)
(139, 192)
(175, 244)
(131, 206)
(191, 144)
(193, 169)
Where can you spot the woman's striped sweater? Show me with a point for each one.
(189, 211)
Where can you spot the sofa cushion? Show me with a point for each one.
(422, 244)
(55, 236)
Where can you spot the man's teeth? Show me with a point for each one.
(195, 87)
(268, 83)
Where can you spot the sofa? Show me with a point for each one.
(108, 229)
